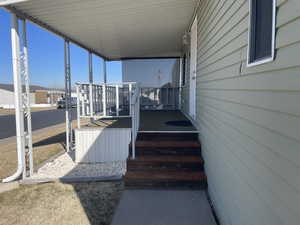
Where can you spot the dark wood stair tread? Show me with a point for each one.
(167, 158)
(167, 144)
(165, 176)
(168, 136)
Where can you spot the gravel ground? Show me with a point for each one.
(65, 167)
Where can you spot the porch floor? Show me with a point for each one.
(150, 121)
(157, 121)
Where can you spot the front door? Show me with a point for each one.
(193, 69)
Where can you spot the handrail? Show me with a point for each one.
(135, 118)
(109, 84)
(104, 100)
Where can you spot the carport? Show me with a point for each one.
(112, 30)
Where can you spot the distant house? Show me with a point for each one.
(154, 73)
(38, 95)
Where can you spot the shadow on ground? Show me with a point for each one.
(59, 138)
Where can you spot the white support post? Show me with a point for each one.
(180, 82)
(104, 88)
(133, 134)
(15, 40)
(78, 106)
(91, 85)
(69, 135)
(28, 166)
(130, 100)
(117, 100)
(104, 72)
(104, 98)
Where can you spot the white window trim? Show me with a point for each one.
(272, 57)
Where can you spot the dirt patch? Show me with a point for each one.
(35, 109)
(56, 203)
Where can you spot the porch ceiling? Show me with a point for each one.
(115, 29)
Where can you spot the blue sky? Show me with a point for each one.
(46, 58)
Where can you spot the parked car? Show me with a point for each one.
(61, 104)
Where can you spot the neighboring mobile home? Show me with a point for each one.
(239, 85)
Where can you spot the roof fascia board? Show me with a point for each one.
(141, 58)
(10, 2)
(23, 15)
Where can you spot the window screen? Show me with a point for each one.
(261, 30)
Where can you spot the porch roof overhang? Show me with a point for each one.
(113, 29)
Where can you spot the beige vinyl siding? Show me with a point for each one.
(249, 118)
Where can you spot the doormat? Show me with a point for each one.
(179, 123)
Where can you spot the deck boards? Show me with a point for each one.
(149, 121)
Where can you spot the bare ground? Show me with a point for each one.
(64, 204)
(46, 143)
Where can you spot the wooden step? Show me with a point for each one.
(178, 179)
(167, 144)
(167, 148)
(167, 151)
(166, 163)
(167, 136)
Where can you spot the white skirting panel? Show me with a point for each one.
(96, 145)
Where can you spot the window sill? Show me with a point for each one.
(260, 62)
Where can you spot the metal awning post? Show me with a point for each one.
(180, 81)
(78, 106)
(117, 100)
(91, 85)
(130, 99)
(104, 88)
(69, 135)
(15, 41)
(28, 166)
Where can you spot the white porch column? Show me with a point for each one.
(180, 82)
(78, 106)
(28, 166)
(68, 96)
(91, 84)
(117, 100)
(104, 72)
(130, 99)
(15, 42)
(104, 88)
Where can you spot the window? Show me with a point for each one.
(262, 32)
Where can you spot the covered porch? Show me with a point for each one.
(139, 132)
(103, 34)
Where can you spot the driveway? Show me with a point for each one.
(40, 120)
(163, 207)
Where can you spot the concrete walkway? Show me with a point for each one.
(163, 207)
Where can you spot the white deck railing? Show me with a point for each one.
(104, 100)
(165, 98)
(135, 119)
(109, 100)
